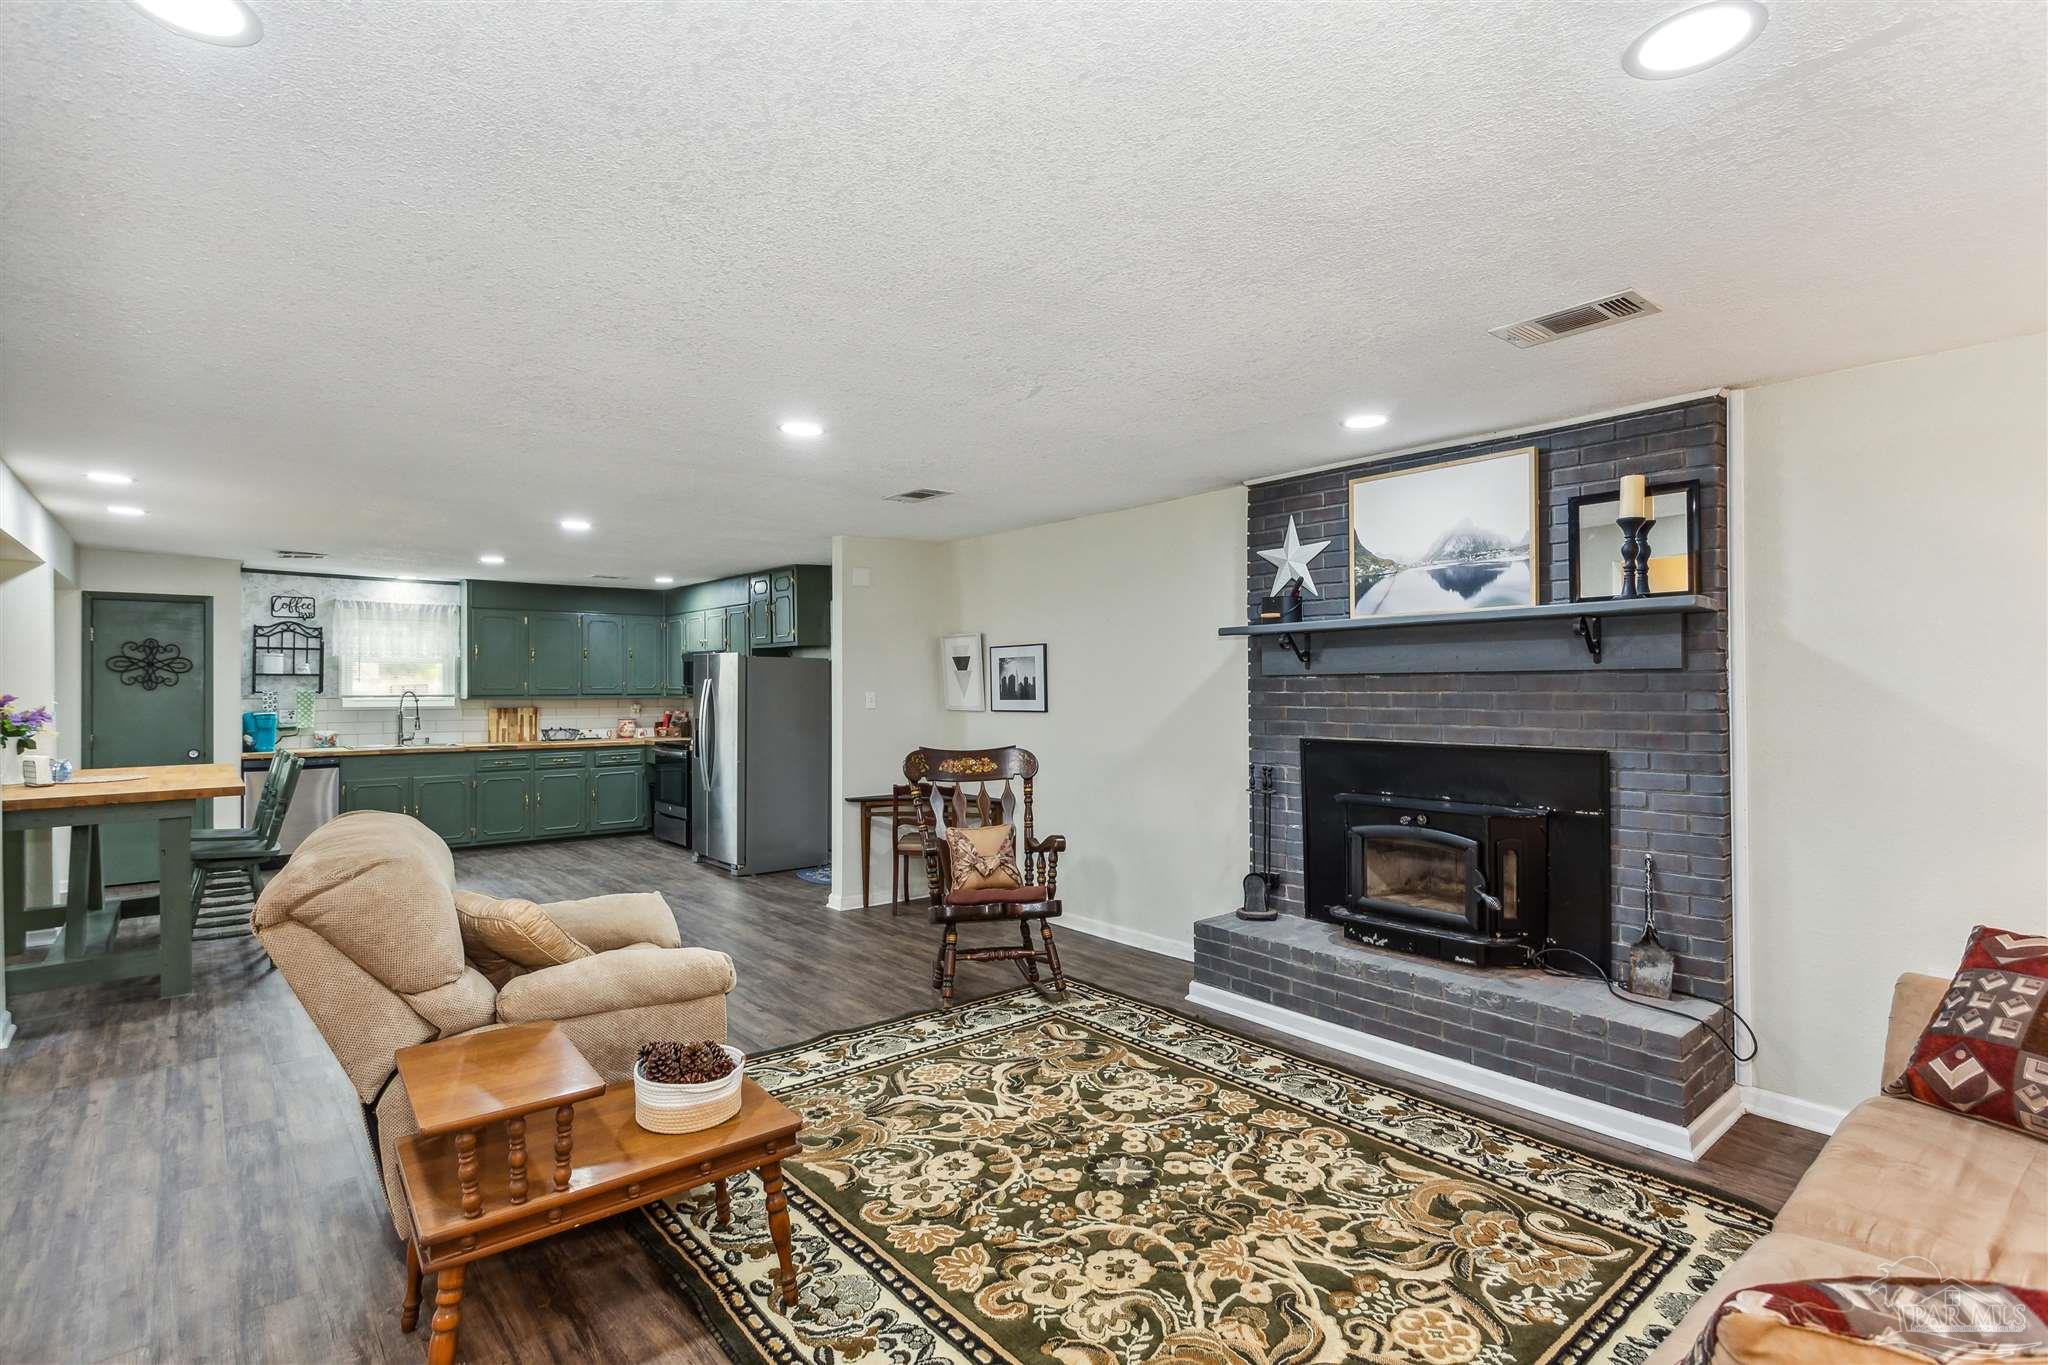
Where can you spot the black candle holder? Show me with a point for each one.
(1635, 555)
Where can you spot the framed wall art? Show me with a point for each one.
(1448, 537)
(1016, 678)
(1595, 542)
(960, 667)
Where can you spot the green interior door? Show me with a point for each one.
(150, 704)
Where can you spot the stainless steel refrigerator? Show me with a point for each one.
(763, 770)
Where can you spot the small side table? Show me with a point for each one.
(467, 1204)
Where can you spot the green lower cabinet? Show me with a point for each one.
(504, 807)
(561, 802)
(441, 802)
(617, 798)
(377, 793)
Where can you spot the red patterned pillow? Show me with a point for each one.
(1985, 1052)
(1876, 1321)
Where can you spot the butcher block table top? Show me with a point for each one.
(126, 787)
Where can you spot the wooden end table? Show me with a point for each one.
(465, 1182)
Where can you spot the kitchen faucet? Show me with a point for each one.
(403, 739)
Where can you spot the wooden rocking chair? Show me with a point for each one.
(940, 778)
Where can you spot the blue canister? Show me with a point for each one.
(259, 732)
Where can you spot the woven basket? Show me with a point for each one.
(661, 1108)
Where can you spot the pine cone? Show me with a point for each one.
(684, 1064)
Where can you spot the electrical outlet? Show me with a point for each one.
(871, 701)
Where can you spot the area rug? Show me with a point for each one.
(1102, 1180)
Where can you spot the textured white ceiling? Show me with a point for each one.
(404, 282)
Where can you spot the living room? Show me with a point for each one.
(1402, 656)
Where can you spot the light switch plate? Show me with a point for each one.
(871, 701)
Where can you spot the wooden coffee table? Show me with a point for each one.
(466, 1185)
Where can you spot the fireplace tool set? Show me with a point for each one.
(1258, 883)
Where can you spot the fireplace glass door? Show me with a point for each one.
(1416, 873)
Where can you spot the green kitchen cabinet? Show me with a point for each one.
(504, 807)
(393, 794)
(441, 802)
(790, 608)
(604, 654)
(560, 802)
(760, 629)
(556, 641)
(782, 607)
(676, 654)
(498, 654)
(645, 671)
(617, 799)
(736, 636)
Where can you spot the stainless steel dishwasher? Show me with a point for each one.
(315, 801)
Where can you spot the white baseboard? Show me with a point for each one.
(1773, 1104)
(1182, 948)
(6, 1028)
(1684, 1141)
(836, 902)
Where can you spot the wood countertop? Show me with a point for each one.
(534, 745)
(127, 787)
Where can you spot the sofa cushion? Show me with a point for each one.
(516, 930)
(1985, 1051)
(982, 858)
(1900, 1179)
(1876, 1320)
(1780, 1256)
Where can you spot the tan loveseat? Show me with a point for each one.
(362, 924)
(1902, 1188)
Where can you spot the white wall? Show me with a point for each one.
(172, 575)
(1144, 747)
(890, 603)
(1893, 671)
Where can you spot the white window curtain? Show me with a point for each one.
(383, 649)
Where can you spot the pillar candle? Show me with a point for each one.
(1635, 501)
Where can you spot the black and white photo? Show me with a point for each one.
(1016, 678)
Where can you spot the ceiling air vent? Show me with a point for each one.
(919, 495)
(1582, 317)
(299, 554)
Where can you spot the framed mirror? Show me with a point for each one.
(1595, 542)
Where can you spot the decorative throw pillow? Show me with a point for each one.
(1876, 1321)
(518, 931)
(983, 858)
(1985, 1052)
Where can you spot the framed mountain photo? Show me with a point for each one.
(1449, 537)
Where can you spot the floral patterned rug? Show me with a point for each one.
(1103, 1181)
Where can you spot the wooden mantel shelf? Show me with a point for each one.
(1618, 633)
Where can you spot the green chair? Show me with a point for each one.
(265, 799)
(242, 852)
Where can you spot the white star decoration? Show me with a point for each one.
(1291, 562)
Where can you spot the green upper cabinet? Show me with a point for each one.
(557, 643)
(760, 629)
(646, 673)
(604, 654)
(498, 654)
(676, 653)
(736, 638)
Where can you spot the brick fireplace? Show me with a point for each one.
(1658, 736)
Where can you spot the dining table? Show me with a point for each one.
(167, 796)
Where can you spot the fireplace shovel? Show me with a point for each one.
(1258, 889)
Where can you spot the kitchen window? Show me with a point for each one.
(383, 649)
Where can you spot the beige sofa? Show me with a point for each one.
(362, 924)
(1902, 1188)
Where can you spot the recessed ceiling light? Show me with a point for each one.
(122, 509)
(1365, 421)
(803, 431)
(490, 559)
(574, 524)
(664, 578)
(108, 476)
(406, 577)
(1694, 39)
(229, 23)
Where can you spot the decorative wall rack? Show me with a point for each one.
(289, 649)
(1557, 637)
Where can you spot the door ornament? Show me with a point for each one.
(150, 663)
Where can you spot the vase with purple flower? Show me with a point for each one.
(20, 728)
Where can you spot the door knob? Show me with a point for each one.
(191, 753)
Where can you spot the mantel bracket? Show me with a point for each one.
(1588, 629)
(1297, 645)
